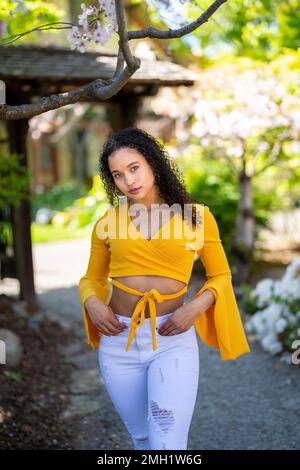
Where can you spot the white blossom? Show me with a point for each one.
(280, 325)
(263, 292)
(97, 23)
(258, 324)
(271, 315)
(276, 302)
(293, 270)
(271, 344)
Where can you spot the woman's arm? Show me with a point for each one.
(95, 282)
(201, 303)
(219, 324)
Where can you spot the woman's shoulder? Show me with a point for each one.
(201, 209)
(205, 218)
(204, 209)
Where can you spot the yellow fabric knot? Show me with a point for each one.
(138, 316)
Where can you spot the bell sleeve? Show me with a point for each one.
(219, 326)
(95, 282)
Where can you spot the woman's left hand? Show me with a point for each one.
(179, 322)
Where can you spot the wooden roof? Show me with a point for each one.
(25, 63)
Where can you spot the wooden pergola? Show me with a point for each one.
(31, 72)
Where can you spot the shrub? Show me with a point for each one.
(276, 321)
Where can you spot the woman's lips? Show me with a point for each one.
(135, 191)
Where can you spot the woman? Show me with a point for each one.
(145, 332)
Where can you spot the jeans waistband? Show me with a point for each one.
(159, 319)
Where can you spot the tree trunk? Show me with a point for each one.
(243, 242)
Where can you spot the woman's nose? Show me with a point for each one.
(130, 182)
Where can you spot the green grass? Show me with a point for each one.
(48, 233)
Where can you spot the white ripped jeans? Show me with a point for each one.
(154, 392)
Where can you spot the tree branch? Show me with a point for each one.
(177, 33)
(44, 27)
(229, 160)
(120, 63)
(123, 41)
(274, 154)
(104, 89)
(96, 90)
(232, 165)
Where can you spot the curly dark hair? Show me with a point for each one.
(167, 174)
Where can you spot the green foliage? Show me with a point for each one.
(85, 211)
(13, 376)
(57, 198)
(248, 304)
(35, 13)
(210, 181)
(212, 184)
(14, 180)
(289, 24)
(257, 29)
(75, 211)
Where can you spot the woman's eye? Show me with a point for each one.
(132, 168)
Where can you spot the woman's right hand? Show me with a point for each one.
(103, 317)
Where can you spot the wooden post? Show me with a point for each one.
(21, 220)
(123, 112)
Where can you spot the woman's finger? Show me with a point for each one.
(113, 329)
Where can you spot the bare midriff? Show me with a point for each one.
(123, 303)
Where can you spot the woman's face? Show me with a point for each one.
(130, 170)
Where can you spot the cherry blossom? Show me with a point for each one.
(96, 23)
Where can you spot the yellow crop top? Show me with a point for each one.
(119, 249)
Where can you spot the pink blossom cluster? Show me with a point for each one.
(97, 23)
